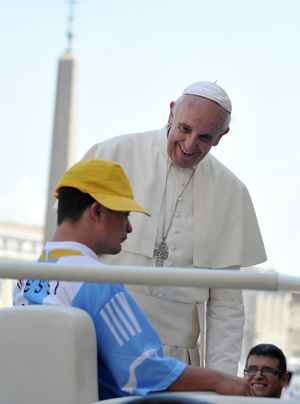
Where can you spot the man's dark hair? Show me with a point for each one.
(167, 398)
(271, 351)
(72, 203)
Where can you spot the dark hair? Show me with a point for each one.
(167, 398)
(271, 351)
(72, 203)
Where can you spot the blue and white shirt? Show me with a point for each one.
(130, 357)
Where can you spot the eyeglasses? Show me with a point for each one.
(265, 371)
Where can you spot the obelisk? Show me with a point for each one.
(63, 137)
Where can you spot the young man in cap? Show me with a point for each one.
(266, 370)
(94, 201)
(201, 216)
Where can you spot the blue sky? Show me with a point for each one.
(133, 58)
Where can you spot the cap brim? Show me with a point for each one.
(119, 203)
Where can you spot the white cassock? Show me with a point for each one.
(214, 226)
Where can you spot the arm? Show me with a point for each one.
(225, 322)
(198, 379)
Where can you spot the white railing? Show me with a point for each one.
(205, 278)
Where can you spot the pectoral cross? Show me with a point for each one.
(161, 253)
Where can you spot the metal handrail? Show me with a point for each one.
(189, 277)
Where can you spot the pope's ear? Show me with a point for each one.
(218, 138)
(171, 113)
(172, 105)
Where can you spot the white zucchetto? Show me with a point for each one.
(211, 91)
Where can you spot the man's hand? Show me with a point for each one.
(199, 379)
(234, 386)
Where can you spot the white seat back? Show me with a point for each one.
(48, 354)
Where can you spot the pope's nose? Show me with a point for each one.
(190, 144)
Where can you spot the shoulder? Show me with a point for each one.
(222, 174)
(139, 137)
(123, 143)
(96, 297)
(79, 260)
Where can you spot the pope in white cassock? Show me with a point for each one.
(202, 217)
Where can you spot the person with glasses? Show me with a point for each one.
(266, 370)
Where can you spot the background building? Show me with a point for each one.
(17, 241)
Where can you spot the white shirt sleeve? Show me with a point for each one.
(225, 323)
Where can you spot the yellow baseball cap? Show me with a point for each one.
(105, 181)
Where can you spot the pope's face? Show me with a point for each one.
(195, 125)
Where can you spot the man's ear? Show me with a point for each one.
(218, 138)
(96, 211)
(285, 379)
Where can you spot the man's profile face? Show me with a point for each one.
(114, 229)
(195, 125)
(264, 377)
